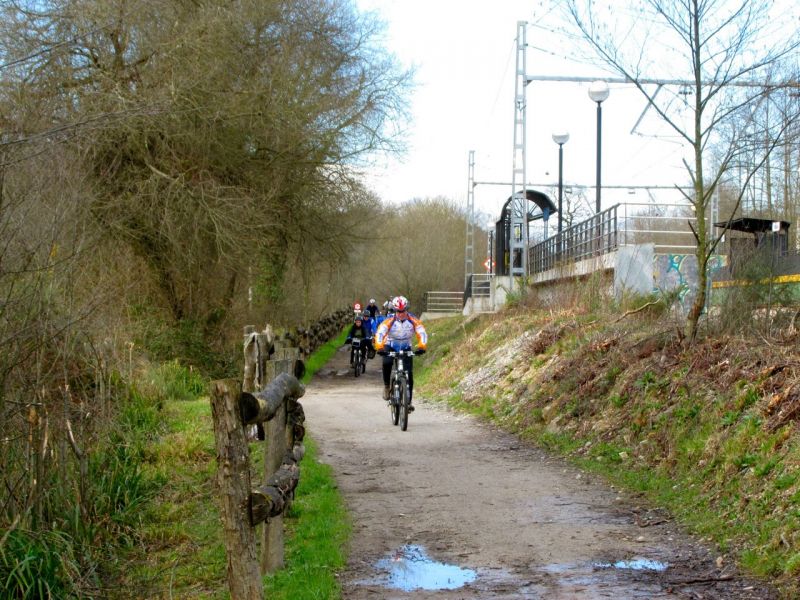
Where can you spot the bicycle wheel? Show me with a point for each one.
(394, 402)
(405, 400)
(357, 368)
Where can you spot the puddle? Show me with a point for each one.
(410, 568)
(575, 574)
(632, 579)
(637, 564)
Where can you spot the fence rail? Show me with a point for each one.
(264, 406)
(667, 226)
(481, 285)
(444, 302)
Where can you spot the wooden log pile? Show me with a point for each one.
(308, 339)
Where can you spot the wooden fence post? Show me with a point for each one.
(236, 407)
(272, 555)
(250, 359)
(264, 342)
(233, 479)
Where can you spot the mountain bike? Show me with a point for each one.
(358, 355)
(399, 392)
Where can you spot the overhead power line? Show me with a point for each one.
(582, 185)
(648, 80)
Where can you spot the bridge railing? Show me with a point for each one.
(595, 236)
(667, 226)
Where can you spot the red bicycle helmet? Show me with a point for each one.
(400, 303)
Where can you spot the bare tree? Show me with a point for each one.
(154, 154)
(730, 56)
(407, 249)
(212, 132)
(576, 206)
(771, 191)
(423, 249)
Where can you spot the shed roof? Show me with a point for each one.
(751, 224)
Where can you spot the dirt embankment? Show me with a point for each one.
(455, 508)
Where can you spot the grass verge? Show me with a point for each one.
(320, 358)
(182, 554)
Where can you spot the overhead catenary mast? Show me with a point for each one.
(469, 218)
(518, 259)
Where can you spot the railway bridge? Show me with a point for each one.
(633, 248)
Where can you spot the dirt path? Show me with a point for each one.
(453, 508)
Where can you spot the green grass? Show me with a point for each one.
(318, 528)
(74, 547)
(182, 554)
(319, 359)
(37, 565)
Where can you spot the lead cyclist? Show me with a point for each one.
(397, 333)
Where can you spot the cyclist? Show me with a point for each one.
(379, 318)
(371, 309)
(359, 330)
(397, 332)
(369, 323)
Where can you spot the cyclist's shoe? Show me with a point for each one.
(410, 408)
(386, 392)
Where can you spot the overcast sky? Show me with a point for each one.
(464, 53)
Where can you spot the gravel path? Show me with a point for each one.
(453, 508)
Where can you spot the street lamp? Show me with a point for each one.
(598, 91)
(560, 138)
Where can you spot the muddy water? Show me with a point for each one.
(410, 568)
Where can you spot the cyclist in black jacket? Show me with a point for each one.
(360, 330)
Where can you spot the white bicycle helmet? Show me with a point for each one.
(400, 303)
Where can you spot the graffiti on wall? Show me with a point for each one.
(673, 272)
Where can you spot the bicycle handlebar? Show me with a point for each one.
(394, 353)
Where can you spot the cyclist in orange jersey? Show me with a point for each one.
(397, 332)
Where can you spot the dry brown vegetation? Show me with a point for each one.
(710, 430)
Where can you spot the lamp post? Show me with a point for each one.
(598, 92)
(560, 138)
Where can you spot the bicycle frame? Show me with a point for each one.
(399, 394)
(398, 366)
(358, 355)
(357, 347)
